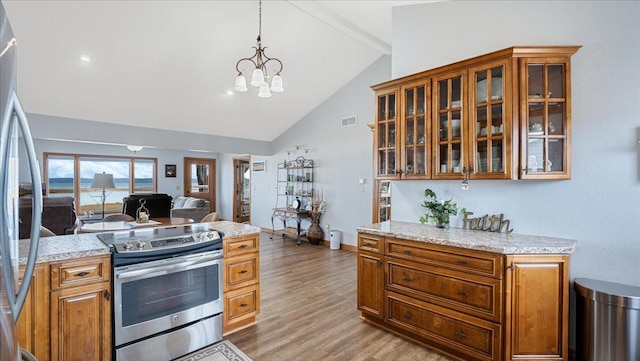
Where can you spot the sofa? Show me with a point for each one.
(58, 215)
(190, 207)
(158, 204)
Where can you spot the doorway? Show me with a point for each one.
(241, 190)
(200, 179)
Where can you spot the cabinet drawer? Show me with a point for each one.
(477, 339)
(469, 261)
(370, 243)
(476, 295)
(80, 272)
(241, 304)
(240, 245)
(241, 271)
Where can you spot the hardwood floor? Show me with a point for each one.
(309, 312)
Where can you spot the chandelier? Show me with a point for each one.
(260, 76)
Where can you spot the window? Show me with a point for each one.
(72, 175)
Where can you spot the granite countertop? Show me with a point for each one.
(61, 248)
(73, 246)
(233, 229)
(463, 238)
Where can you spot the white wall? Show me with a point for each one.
(600, 206)
(342, 156)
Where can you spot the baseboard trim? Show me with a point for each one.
(346, 247)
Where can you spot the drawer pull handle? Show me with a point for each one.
(461, 335)
(81, 274)
(243, 305)
(408, 316)
(462, 262)
(408, 279)
(407, 252)
(243, 271)
(462, 293)
(242, 246)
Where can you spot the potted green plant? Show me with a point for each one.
(438, 211)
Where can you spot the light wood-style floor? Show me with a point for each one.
(309, 311)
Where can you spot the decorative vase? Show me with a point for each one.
(315, 234)
(443, 221)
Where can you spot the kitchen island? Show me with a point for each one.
(71, 292)
(472, 295)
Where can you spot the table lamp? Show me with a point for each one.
(104, 181)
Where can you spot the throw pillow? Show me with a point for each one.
(194, 203)
(178, 202)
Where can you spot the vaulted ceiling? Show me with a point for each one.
(171, 64)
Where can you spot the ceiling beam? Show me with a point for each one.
(338, 23)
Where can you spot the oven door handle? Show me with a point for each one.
(179, 264)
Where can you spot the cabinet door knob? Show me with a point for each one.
(107, 295)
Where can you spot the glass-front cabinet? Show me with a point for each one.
(386, 134)
(448, 119)
(415, 153)
(546, 130)
(502, 115)
(382, 201)
(490, 121)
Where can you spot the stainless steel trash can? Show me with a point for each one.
(607, 321)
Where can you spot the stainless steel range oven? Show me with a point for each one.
(167, 291)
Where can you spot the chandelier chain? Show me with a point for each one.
(260, 21)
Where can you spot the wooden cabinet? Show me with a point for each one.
(503, 115)
(386, 155)
(414, 142)
(381, 201)
(241, 278)
(370, 276)
(472, 305)
(546, 117)
(537, 294)
(33, 324)
(81, 309)
(67, 314)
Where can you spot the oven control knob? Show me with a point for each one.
(211, 235)
(140, 244)
(127, 245)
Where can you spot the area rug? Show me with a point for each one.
(221, 351)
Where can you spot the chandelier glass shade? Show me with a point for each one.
(260, 75)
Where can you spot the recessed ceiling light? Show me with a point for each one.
(85, 58)
(229, 92)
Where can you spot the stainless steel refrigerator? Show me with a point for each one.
(16, 150)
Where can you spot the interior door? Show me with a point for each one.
(242, 190)
(200, 179)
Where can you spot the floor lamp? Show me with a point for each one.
(104, 181)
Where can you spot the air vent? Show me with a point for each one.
(349, 121)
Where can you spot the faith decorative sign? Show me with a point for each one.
(485, 223)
